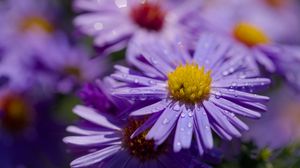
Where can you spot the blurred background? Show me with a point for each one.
(44, 62)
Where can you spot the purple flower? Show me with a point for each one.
(115, 23)
(284, 118)
(268, 32)
(194, 93)
(68, 64)
(110, 145)
(22, 21)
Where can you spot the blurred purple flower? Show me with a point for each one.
(69, 64)
(22, 21)
(283, 117)
(200, 92)
(267, 29)
(114, 23)
(26, 128)
(111, 145)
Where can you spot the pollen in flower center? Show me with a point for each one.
(189, 83)
(15, 113)
(36, 22)
(139, 147)
(148, 16)
(249, 34)
(73, 71)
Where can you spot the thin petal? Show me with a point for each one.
(235, 108)
(203, 127)
(95, 157)
(217, 115)
(165, 123)
(81, 131)
(90, 140)
(241, 96)
(153, 108)
(94, 117)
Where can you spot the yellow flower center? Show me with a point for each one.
(189, 83)
(36, 22)
(250, 35)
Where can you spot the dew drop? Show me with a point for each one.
(166, 121)
(136, 81)
(190, 113)
(176, 107)
(225, 73)
(190, 125)
(218, 94)
(151, 82)
(182, 115)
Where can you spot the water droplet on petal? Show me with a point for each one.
(176, 107)
(218, 94)
(183, 115)
(166, 121)
(190, 125)
(190, 113)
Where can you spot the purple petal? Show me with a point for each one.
(246, 83)
(217, 115)
(241, 96)
(221, 132)
(146, 125)
(235, 108)
(184, 131)
(94, 117)
(81, 131)
(138, 80)
(90, 140)
(203, 127)
(165, 123)
(141, 93)
(153, 108)
(95, 157)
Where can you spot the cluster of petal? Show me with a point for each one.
(115, 23)
(231, 93)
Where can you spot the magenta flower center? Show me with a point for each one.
(15, 113)
(148, 16)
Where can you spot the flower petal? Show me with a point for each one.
(95, 157)
(92, 116)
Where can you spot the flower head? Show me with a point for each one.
(109, 145)
(193, 94)
(115, 23)
(266, 29)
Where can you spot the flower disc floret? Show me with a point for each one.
(189, 83)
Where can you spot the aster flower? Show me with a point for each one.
(114, 23)
(67, 63)
(266, 31)
(21, 22)
(194, 93)
(110, 145)
(26, 128)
